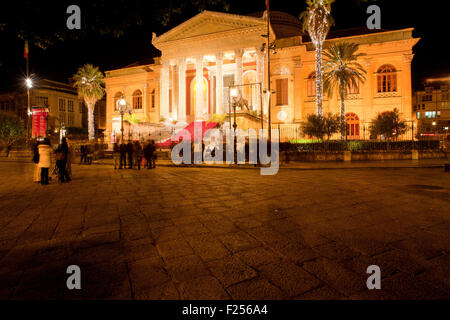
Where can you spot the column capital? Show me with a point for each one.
(238, 53)
(181, 61)
(219, 55)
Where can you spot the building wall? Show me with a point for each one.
(431, 108)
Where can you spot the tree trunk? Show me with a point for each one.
(343, 124)
(319, 79)
(91, 124)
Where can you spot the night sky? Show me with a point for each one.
(137, 20)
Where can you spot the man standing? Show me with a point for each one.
(130, 154)
(123, 156)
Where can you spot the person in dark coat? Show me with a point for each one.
(138, 153)
(123, 156)
(130, 154)
(62, 153)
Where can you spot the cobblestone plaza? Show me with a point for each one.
(211, 233)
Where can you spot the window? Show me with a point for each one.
(62, 118)
(427, 97)
(418, 115)
(153, 99)
(430, 114)
(387, 79)
(117, 96)
(352, 126)
(41, 101)
(137, 99)
(70, 119)
(423, 106)
(353, 89)
(282, 92)
(311, 85)
(62, 105)
(70, 105)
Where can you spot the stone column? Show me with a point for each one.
(182, 89)
(164, 85)
(219, 83)
(199, 107)
(173, 81)
(259, 78)
(238, 53)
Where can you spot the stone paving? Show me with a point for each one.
(199, 233)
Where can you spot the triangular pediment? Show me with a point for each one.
(207, 23)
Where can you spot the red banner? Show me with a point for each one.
(39, 122)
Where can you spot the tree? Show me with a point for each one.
(35, 20)
(317, 21)
(342, 72)
(332, 124)
(388, 124)
(318, 126)
(11, 130)
(89, 82)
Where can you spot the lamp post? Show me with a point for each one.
(234, 92)
(122, 106)
(29, 85)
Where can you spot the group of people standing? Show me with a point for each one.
(42, 157)
(132, 154)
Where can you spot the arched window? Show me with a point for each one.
(387, 79)
(137, 99)
(117, 96)
(352, 125)
(311, 85)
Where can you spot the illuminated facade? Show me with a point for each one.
(225, 50)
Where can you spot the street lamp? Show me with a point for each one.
(234, 92)
(29, 85)
(122, 107)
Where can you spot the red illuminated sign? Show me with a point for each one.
(39, 122)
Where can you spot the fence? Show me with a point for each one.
(293, 133)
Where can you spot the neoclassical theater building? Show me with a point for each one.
(202, 58)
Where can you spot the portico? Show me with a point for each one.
(196, 87)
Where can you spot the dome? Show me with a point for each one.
(284, 24)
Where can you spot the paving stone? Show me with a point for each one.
(203, 288)
(186, 268)
(256, 289)
(290, 278)
(230, 271)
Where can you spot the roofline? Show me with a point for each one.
(368, 35)
(129, 68)
(156, 39)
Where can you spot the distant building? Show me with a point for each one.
(431, 106)
(64, 106)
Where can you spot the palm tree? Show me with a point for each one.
(317, 21)
(89, 82)
(342, 72)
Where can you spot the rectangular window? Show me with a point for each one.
(62, 118)
(70, 119)
(70, 105)
(418, 115)
(62, 105)
(41, 101)
(282, 92)
(430, 114)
